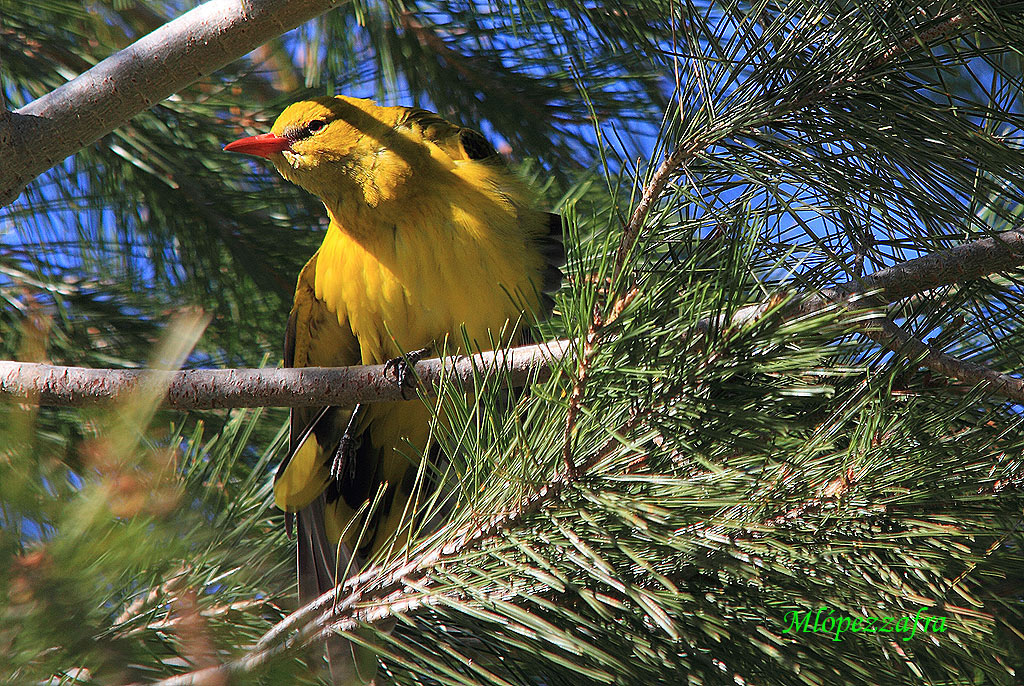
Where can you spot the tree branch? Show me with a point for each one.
(315, 386)
(45, 131)
(193, 389)
(1000, 252)
(893, 337)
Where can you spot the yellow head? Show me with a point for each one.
(340, 149)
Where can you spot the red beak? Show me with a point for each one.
(264, 145)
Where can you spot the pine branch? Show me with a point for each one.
(44, 132)
(893, 337)
(686, 152)
(379, 593)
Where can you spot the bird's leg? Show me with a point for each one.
(344, 455)
(402, 368)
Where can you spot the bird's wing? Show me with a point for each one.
(459, 143)
(314, 337)
(464, 145)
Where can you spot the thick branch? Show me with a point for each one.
(44, 132)
(306, 386)
(315, 386)
(1002, 252)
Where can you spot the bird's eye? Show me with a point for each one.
(315, 125)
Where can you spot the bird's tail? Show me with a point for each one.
(350, 664)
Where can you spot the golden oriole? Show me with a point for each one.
(431, 238)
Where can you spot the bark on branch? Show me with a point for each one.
(45, 131)
(317, 386)
(194, 389)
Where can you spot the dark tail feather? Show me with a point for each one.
(350, 664)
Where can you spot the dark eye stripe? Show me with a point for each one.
(297, 134)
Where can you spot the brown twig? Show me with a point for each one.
(923, 39)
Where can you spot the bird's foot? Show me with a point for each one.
(344, 455)
(402, 369)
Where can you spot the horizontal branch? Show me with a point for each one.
(977, 259)
(317, 386)
(194, 389)
(204, 39)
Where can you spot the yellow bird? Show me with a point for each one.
(431, 239)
